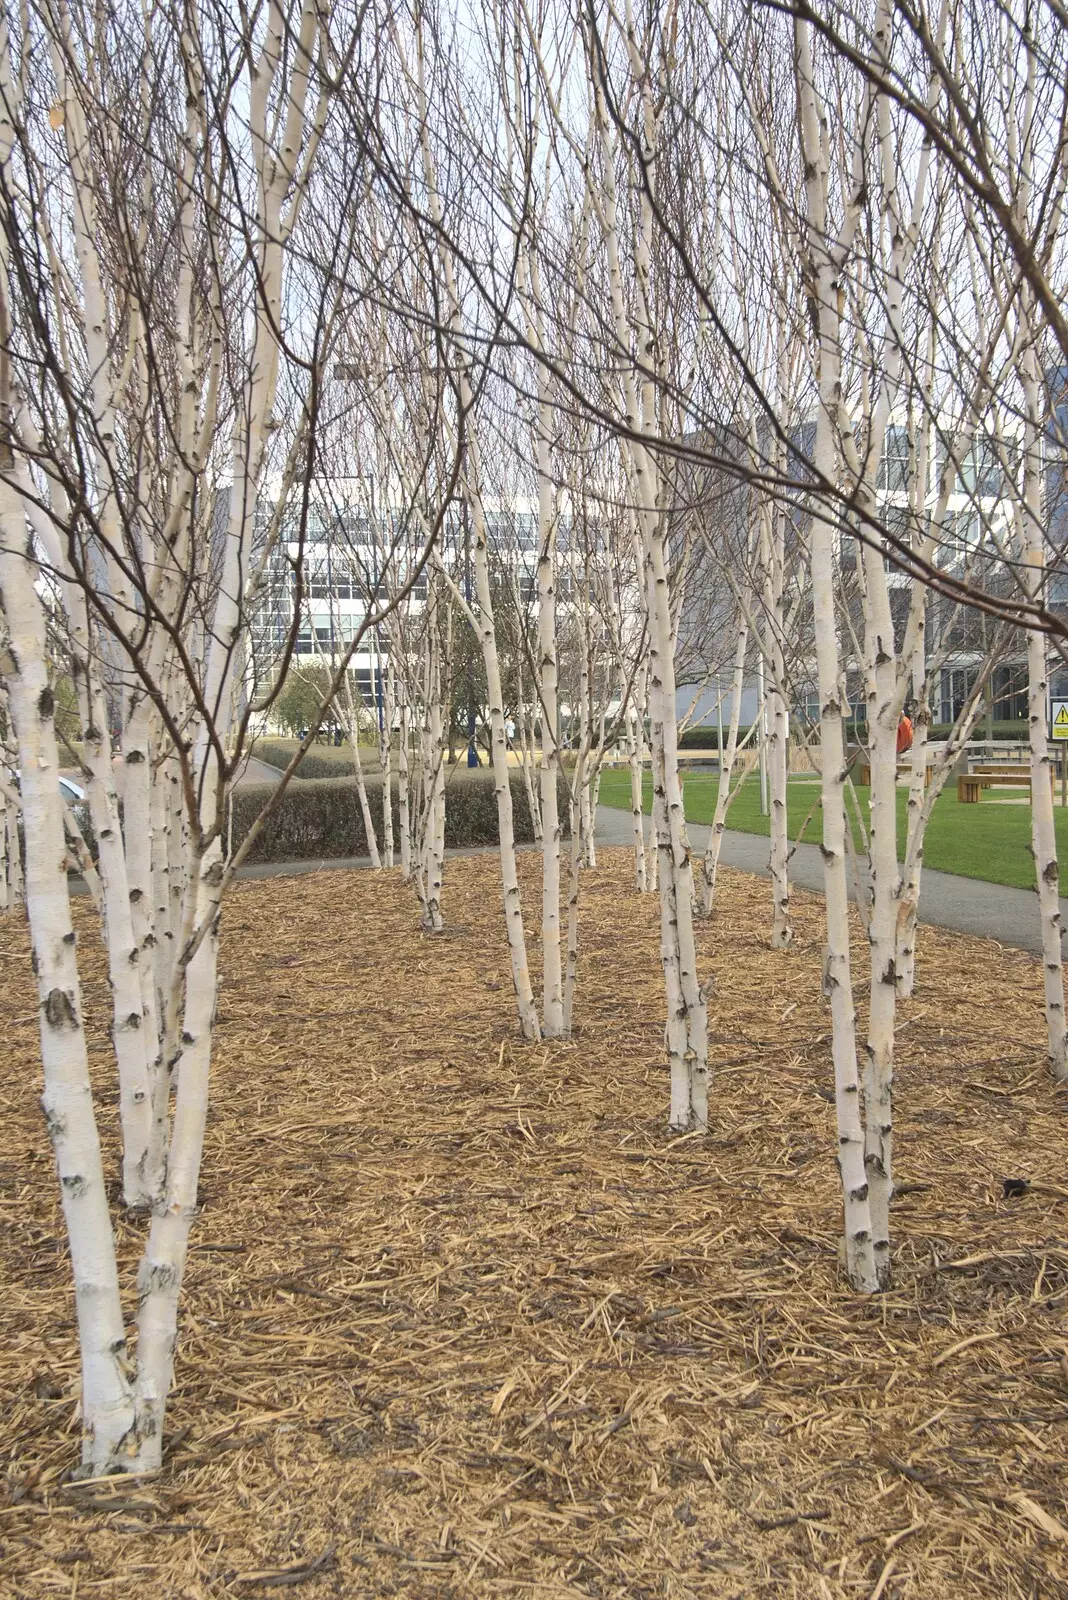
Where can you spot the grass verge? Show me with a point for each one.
(991, 840)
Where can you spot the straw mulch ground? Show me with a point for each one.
(461, 1320)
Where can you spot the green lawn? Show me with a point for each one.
(989, 840)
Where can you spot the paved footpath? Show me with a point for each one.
(967, 905)
(257, 771)
(947, 901)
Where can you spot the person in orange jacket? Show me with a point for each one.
(904, 734)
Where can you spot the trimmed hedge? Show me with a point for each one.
(706, 738)
(337, 765)
(322, 821)
(1004, 731)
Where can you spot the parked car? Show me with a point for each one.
(71, 792)
(75, 797)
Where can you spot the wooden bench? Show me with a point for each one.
(1015, 777)
(970, 786)
(904, 770)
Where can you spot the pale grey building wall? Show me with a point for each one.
(706, 705)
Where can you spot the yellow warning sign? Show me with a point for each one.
(1059, 719)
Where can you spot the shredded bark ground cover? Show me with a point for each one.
(461, 1319)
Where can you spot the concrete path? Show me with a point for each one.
(256, 771)
(988, 910)
(967, 905)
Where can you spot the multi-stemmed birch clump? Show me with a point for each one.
(165, 332)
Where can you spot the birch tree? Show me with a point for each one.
(687, 1027)
(827, 250)
(472, 481)
(132, 483)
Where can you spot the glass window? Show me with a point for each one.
(966, 528)
(981, 471)
(526, 532)
(894, 467)
(898, 523)
(938, 462)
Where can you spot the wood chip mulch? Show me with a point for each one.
(461, 1319)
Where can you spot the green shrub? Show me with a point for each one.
(1005, 732)
(856, 732)
(324, 761)
(1002, 730)
(706, 738)
(275, 755)
(322, 821)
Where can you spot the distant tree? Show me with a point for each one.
(304, 690)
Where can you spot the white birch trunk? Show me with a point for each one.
(1031, 530)
(595, 786)
(554, 1022)
(589, 857)
(163, 1264)
(484, 622)
(555, 1019)
(429, 847)
(686, 1032)
(1044, 841)
(887, 683)
(137, 839)
(82, 860)
(15, 878)
(169, 837)
(710, 861)
(778, 732)
(134, 1049)
(386, 759)
(911, 877)
(573, 886)
(5, 862)
(353, 729)
(161, 900)
(487, 637)
(435, 847)
(636, 764)
(133, 1033)
(883, 716)
(107, 1404)
(838, 983)
(403, 793)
